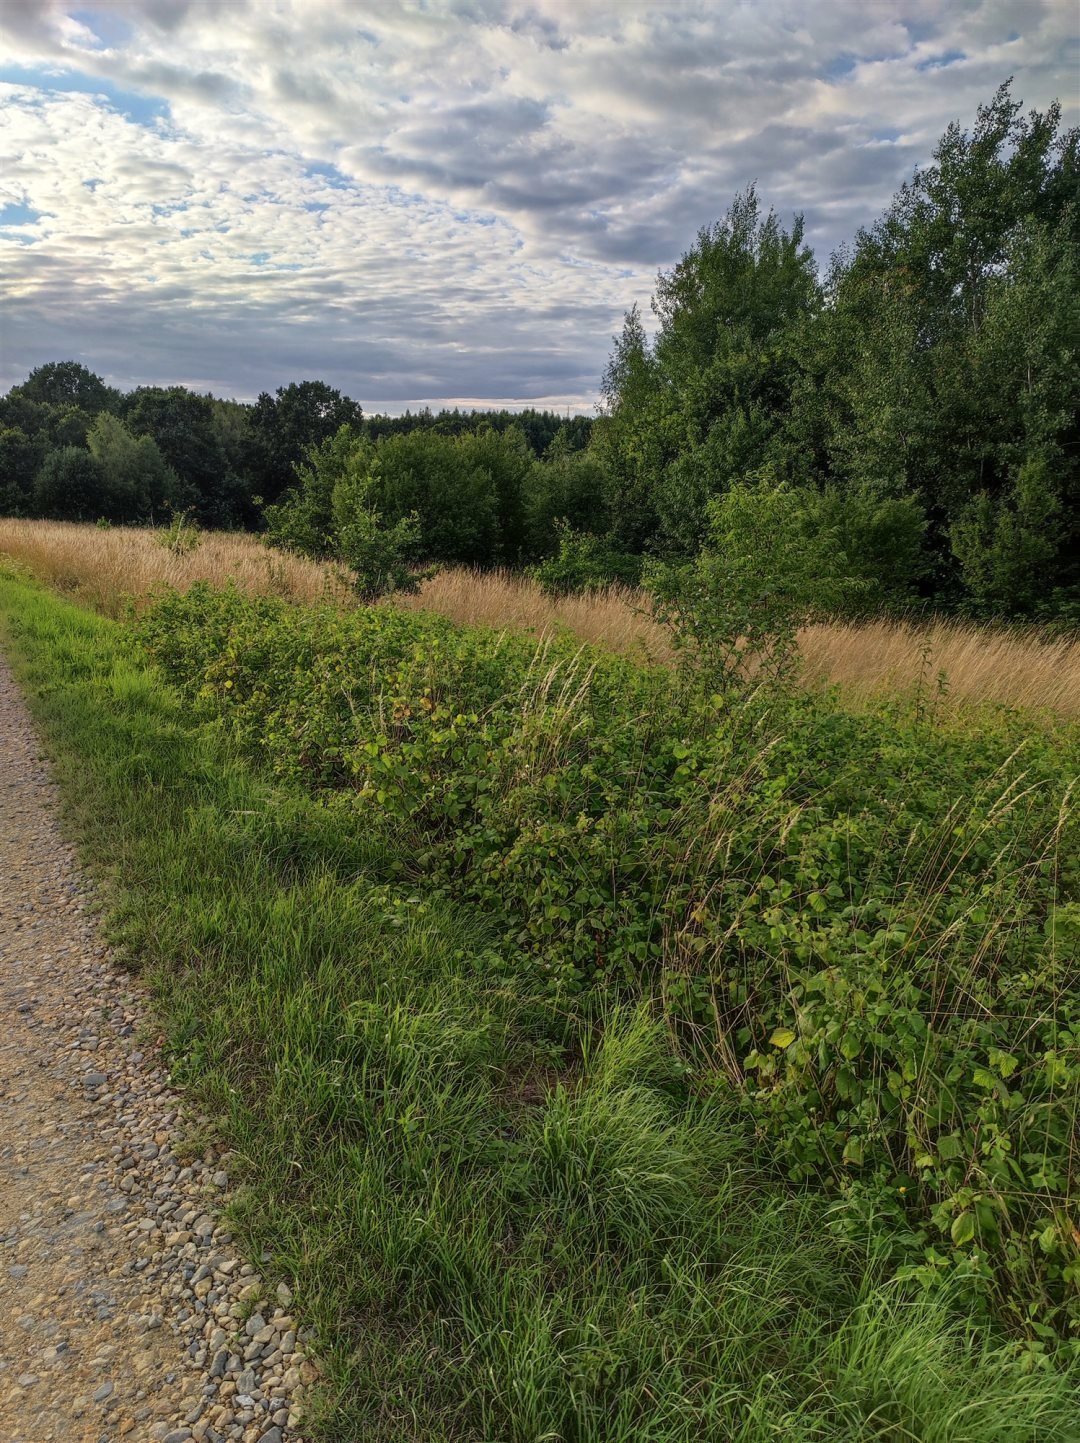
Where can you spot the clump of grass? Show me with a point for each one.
(602, 1255)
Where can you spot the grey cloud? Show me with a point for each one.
(490, 155)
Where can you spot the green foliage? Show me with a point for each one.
(282, 429)
(181, 536)
(773, 559)
(330, 515)
(69, 384)
(138, 483)
(1007, 547)
(945, 366)
(443, 498)
(377, 556)
(70, 486)
(20, 461)
(512, 1220)
(303, 520)
(858, 925)
(584, 562)
(443, 482)
(940, 379)
(183, 426)
(695, 412)
(567, 486)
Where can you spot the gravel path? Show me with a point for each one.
(125, 1313)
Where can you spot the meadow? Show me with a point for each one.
(608, 1059)
(1020, 666)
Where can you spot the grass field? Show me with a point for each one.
(519, 1211)
(1015, 667)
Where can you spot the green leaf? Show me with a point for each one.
(782, 1037)
(963, 1228)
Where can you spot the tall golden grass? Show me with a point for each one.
(1012, 666)
(106, 568)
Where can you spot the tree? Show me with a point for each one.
(769, 565)
(946, 360)
(303, 519)
(182, 424)
(329, 515)
(377, 557)
(437, 479)
(139, 485)
(696, 411)
(285, 427)
(70, 486)
(20, 461)
(69, 383)
(568, 486)
(508, 459)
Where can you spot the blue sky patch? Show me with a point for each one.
(111, 29)
(17, 212)
(323, 170)
(142, 109)
(839, 67)
(939, 62)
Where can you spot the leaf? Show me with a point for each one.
(782, 1037)
(963, 1229)
(1003, 1063)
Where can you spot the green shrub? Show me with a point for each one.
(860, 926)
(774, 559)
(181, 536)
(584, 563)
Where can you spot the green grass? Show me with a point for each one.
(505, 1225)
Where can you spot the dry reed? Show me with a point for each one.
(1013, 666)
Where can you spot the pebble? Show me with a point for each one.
(117, 1262)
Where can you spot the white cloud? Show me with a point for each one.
(447, 199)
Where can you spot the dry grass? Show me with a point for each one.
(103, 568)
(1014, 666)
(981, 664)
(616, 618)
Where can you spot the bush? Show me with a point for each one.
(864, 928)
(181, 536)
(774, 559)
(376, 556)
(585, 563)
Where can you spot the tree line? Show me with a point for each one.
(74, 448)
(898, 427)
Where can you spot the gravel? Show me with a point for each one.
(132, 1308)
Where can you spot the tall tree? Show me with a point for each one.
(285, 426)
(945, 365)
(69, 383)
(138, 484)
(182, 424)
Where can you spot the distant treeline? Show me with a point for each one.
(74, 448)
(915, 407)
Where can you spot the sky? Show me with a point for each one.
(445, 202)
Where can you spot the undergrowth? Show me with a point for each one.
(522, 1197)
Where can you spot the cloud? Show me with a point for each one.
(435, 199)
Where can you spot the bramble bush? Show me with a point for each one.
(866, 927)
